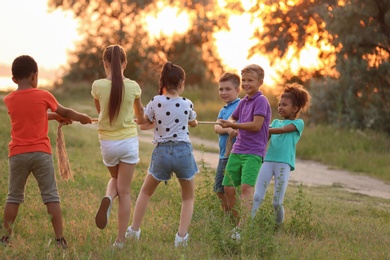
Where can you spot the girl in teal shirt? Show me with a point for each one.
(280, 157)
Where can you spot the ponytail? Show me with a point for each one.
(171, 77)
(115, 55)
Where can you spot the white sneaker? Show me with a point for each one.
(181, 241)
(132, 234)
(103, 213)
(236, 233)
(119, 245)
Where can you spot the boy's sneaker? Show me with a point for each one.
(119, 245)
(132, 234)
(181, 241)
(61, 243)
(236, 233)
(5, 241)
(103, 213)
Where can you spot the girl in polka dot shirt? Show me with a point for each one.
(170, 115)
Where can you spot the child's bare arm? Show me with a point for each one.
(147, 124)
(139, 111)
(254, 125)
(285, 129)
(220, 130)
(60, 119)
(69, 113)
(97, 105)
(193, 123)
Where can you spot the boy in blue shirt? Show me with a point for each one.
(228, 88)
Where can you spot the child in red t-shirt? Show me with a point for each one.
(29, 148)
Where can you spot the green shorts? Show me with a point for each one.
(242, 169)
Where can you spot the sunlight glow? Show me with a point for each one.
(48, 37)
(168, 22)
(27, 28)
(308, 57)
(246, 4)
(233, 46)
(45, 36)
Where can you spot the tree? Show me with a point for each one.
(354, 81)
(105, 22)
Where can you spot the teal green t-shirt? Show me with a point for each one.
(282, 147)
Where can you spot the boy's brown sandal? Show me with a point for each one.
(5, 241)
(61, 242)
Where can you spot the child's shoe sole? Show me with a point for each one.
(101, 218)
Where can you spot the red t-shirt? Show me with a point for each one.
(29, 122)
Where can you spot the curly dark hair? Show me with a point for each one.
(299, 96)
(23, 66)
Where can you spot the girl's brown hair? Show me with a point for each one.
(171, 77)
(115, 56)
(299, 96)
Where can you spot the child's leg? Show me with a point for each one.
(262, 182)
(218, 187)
(148, 187)
(246, 200)
(231, 180)
(282, 175)
(230, 192)
(54, 209)
(251, 165)
(10, 213)
(101, 217)
(187, 206)
(125, 176)
(224, 201)
(112, 189)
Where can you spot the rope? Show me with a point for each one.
(95, 120)
(62, 156)
(207, 122)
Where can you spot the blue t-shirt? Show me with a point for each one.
(225, 113)
(250, 142)
(282, 147)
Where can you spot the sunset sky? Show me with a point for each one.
(27, 28)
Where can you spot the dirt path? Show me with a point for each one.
(307, 172)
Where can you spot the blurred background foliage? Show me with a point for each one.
(350, 85)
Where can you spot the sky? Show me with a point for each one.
(27, 28)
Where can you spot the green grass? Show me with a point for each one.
(320, 223)
(353, 150)
(361, 152)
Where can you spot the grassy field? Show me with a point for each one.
(361, 152)
(320, 223)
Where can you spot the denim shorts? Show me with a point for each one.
(173, 157)
(115, 151)
(220, 173)
(41, 165)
